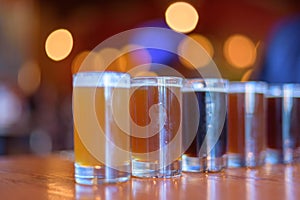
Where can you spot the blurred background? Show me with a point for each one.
(42, 43)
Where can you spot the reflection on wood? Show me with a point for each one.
(51, 177)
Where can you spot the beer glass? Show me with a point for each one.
(155, 110)
(291, 125)
(204, 124)
(246, 124)
(274, 124)
(101, 127)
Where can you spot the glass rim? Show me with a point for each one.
(91, 73)
(205, 84)
(140, 81)
(101, 79)
(248, 86)
(283, 90)
(207, 79)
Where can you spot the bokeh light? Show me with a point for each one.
(78, 60)
(187, 48)
(59, 44)
(112, 60)
(247, 75)
(10, 106)
(135, 56)
(159, 40)
(145, 73)
(40, 142)
(87, 61)
(181, 17)
(29, 77)
(239, 51)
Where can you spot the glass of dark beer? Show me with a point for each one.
(246, 124)
(204, 124)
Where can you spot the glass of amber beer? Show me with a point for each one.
(204, 124)
(283, 128)
(101, 127)
(155, 111)
(246, 124)
(274, 124)
(291, 125)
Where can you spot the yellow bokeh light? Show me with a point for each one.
(240, 51)
(29, 77)
(181, 17)
(189, 50)
(59, 44)
(247, 75)
(144, 73)
(87, 61)
(112, 59)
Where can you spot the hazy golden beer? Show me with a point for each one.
(101, 120)
(155, 111)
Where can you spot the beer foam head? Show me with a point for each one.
(283, 90)
(205, 85)
(101, 79)
(248, 87)
(275, 90)
(291, 90)
(167, 81)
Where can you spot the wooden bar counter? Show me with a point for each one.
(51, 177)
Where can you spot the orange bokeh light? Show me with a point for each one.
(240, 51)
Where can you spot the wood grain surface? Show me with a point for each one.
(51, 177)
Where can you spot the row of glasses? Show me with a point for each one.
(161, 126)
(262, 125)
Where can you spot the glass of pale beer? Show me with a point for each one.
(155, 111)
(101, 127)
(204, 124)
(246, 124)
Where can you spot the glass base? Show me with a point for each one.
(152, 170)
(249, 160)
(91, 175)
(291, 155)
(255, 160)
(274, 156)
(215, 164)
(193, 164)
(234, 160)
